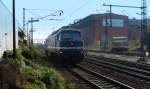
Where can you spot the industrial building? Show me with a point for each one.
(99, 28)
(6, 29)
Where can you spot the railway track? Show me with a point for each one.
(131, 74)
(96, 80)
(132, 64)
(140, 72)
(119, 53)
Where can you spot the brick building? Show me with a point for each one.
(97, 30)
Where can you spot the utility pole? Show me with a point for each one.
(106, 33)
(28, 33)
(14, 30)
(32, 30)
(32, 21)
(24, 19)
(110, 7)
(110, 16)
(144, 23)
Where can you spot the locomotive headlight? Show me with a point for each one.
(60, 52)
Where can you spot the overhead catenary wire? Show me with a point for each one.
(42, 9)
(52, 14)
(34, 14)
(78, 9)
(56, 13)
(37, 16)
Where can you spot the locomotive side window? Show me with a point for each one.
(58, 37)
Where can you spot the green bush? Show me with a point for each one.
(54, 79)
(7, 54)
(33, 51)
(45, 75)
(38, 85)
(27, 53)
(30, 52)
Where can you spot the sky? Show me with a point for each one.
(72, 10)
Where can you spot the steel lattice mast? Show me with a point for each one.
(144, 14)
(143, 21)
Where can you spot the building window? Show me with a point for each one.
(115, 23)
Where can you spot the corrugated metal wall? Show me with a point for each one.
(6, 32)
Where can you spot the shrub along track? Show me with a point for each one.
(134, 74)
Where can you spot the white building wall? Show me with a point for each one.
(6, 29)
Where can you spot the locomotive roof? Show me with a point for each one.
(71, 29)
(65, 29)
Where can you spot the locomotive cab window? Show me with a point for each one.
(71, 35)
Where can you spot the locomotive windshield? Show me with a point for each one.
(71, 35)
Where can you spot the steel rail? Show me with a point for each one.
(142, 66)
(109, 82)
(118, 53)
(121, 68)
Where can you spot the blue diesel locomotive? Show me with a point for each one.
(67, 44)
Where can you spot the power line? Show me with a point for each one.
(122, 6)
(52, 14)
(79, 8)
(41, 9)
(35, 14)
(59, 12)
